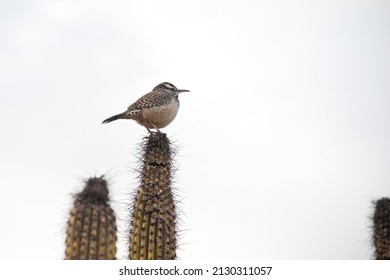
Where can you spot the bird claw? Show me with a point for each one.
(154, 132)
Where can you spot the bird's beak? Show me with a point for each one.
(181, 90)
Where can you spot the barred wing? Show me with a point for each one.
(151, 99)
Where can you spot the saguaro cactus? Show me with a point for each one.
(153, 214)
(91, 232)
(382, 229)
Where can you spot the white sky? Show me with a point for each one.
(284, 136)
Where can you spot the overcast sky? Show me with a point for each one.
(284, 137)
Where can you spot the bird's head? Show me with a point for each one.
(169, 88)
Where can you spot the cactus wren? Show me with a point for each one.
(155, 109)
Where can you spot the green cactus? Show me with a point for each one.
(381, 236)
(91, 232)
(153, 215)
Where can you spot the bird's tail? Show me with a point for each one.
(115, 117)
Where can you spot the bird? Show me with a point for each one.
(154, 110)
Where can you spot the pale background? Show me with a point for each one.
(284, 137)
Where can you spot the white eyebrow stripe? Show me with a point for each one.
(168, 85)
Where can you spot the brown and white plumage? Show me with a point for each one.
(155, 109)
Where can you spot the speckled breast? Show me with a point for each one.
(159, 116)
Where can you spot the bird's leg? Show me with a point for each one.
(158, 130)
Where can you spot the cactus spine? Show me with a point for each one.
(153, 215)
(382, 229)
(91, 232)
